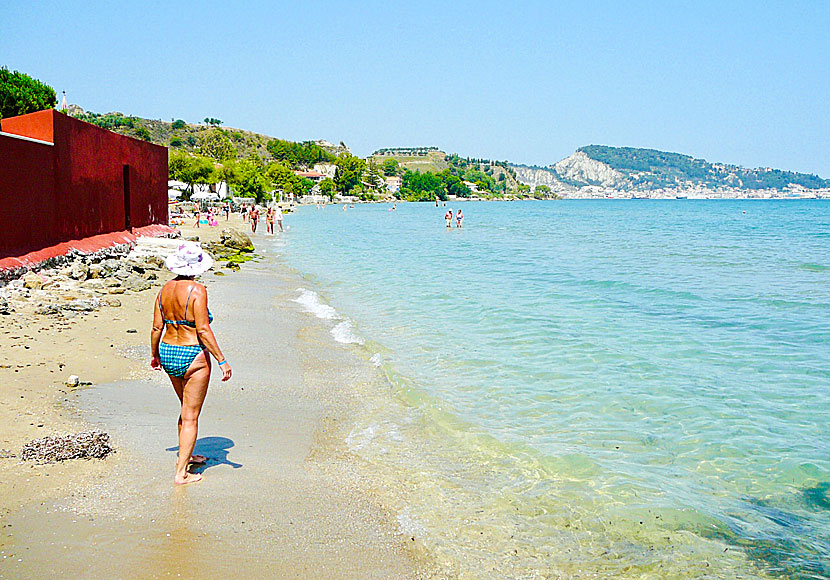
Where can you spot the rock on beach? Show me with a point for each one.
(236, 240)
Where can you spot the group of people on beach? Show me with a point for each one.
(272, 214)
(210, 218)
(459, 219)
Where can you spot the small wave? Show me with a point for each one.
(309, 300)
(357, 440)
(344, 333)
(409, 526)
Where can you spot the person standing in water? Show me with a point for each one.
(279, 218)
(254, 217)
(269, 221)
(184, 352)
(459, 219)
(448, 218)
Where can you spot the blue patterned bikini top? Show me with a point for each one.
(184, 322)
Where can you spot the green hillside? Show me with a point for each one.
(423, 159)
(653, 169)
(196, 138)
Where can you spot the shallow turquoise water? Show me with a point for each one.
(627, 388)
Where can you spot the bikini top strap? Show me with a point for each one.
(161, 308)
(186, 304)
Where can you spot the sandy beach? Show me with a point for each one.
(281, 496)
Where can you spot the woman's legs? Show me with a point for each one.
(178, 386)
(191, 390)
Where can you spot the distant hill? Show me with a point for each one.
(630, 169)
(423, 159)
(650, 169)
(485, 173)
(179, 135)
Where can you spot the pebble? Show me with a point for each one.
(72, 381)
(32, 281)
(47, 309)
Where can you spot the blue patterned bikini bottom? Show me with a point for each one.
(177, 359)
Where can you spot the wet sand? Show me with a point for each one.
(281, 496)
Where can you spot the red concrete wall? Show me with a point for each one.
(75, 188)
(21, 221)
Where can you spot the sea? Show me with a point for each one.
(587, 388)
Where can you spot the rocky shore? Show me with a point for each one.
(85, 282)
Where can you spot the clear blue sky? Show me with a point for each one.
(744, 82)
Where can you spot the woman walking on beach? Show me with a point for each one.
(181, 312)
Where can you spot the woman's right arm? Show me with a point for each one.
(155, 334)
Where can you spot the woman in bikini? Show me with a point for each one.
(269, 221)
(181, 312)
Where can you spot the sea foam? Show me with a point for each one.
(345, 333)
(310, 300)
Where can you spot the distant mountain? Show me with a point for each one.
(629, 169)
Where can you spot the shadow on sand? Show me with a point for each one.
(216, 451)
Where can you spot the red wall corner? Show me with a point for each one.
(39, 125)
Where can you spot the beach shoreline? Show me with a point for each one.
(297, 507)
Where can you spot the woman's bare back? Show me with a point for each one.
(179, 300)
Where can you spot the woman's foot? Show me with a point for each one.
(187, 478)
(195, 459)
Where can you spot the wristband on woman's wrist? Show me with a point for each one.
(224, 361)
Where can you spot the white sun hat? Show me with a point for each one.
(189, 260)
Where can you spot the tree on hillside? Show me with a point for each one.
(328, 188)
(190, 170)
(419, 186)
(349, 172)
(374, 177)
(212, 121)
(304, 154)
(454, 184)
(217, 145)
(541, 191)
(391, 167)
(285, 180)
(178, 124)
(249, 180)
(21, 94)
